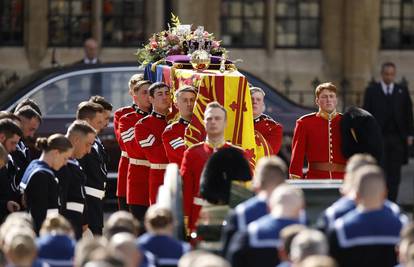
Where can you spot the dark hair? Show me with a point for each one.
(138, 85)
(28, 102)
(28, 112)
(55, 141)
(387, 65)
(8, 115)
(156, 86)
(81, 127)
(10, 128)
(88, 110)
(101, 101)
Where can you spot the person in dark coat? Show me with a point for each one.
(72, 179)
(94, 166)
(391, 105)
(30, 121)
(91, 51)
(39, 184)
(10, 134)
(367, 235)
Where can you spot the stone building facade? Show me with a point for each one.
(349, 44)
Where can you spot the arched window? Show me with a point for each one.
(70, 22)
(242, 23)
(297, 23)
(123, 22)
(397, 24)
(11, 22)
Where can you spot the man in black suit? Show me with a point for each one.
(391, 105)
(91, 49)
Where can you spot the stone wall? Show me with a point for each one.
(349, 45)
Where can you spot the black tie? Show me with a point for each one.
(389, 90)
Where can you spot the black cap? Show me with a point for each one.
(361, 134)
(223, 167)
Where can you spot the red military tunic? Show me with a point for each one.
(138, 167)
(271, 131)
(148, 134)
(192, 165)
(123, 160)
(173, 140)
(318, 138)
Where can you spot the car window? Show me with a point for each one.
(61, 97)
(115, 88)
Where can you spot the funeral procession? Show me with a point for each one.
(206, 133)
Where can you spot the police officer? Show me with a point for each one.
(271, 130)
(123, 160)
(148, 132)
(94, 166)
(137, 184)
(39, 184)
(173, 136)
(257, 246)
(318, 137)
(71, 177)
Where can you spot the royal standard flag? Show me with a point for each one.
(231, 90)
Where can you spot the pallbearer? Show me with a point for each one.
(123, 160)
(138, 165)
(173, 136)
(148, 132)
(271, 130)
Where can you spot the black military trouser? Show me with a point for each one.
(95, 214)
(122, 205)
(394, 153)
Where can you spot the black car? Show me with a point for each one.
(58, 91)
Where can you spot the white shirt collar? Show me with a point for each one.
(384, 87)
(90, 61)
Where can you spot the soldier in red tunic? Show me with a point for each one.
(317, 137)
(173, 136)
(195, 157)
(264, 124)
(138, 166)
(148, 134)
(123, 160)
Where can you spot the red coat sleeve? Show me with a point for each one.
(276, 137)
(151, 144)
(298, 150)
(174, 146)
(117, 116)
(187, 174)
